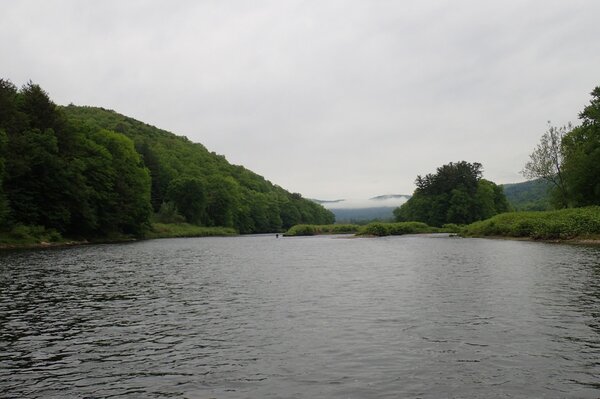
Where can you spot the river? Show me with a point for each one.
(303, 317)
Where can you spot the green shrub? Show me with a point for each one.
(165, 230)
(23, 234)
(379, 229)
(547, 225)
(376, 229)
(168, 214)
(314, 229)
(396, 229)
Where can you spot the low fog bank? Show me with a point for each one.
(391, 201)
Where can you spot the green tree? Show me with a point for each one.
(582, 156)
(128, 203)
(546, 162)
(461, 207)
(4, 209)
(158, 175)
(222, 201)
(168, 214)
(36, 180)
(189, 195)
(456, 193)
(490, 200)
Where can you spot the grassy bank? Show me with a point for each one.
(163, 230)
(565, 224)
(311, 230)
(378, 229)
(397, 229)
(21, 236)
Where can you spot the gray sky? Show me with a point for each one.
(332, 99)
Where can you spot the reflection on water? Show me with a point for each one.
(311, 317)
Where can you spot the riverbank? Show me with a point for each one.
(31, 237)
(576, 224)
(573, 226)
(163, 230)
(375, 229)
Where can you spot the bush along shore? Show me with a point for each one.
(378, 229)
(21, 236)
(575, 224)
(564, 224)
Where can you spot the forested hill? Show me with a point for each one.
(87, 171)
(533, 195)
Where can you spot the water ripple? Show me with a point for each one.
(301, 318)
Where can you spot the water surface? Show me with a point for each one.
(260, 317)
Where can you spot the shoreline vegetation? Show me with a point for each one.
(31, 237)
(374, 229)
(565, 225)
(557, 225)
(573, 225)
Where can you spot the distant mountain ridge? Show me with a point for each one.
(365, 203)
(533, 195)
(380, 207)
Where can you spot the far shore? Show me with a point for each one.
(592, 240)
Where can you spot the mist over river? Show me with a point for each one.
(306, 317)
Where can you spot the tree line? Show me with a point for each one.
(90, 172)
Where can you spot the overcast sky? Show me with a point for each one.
(332, 99)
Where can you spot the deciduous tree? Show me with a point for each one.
(546, 162)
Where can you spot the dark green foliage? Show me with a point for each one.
(581, 148)
(234, 196)
(396, 229)
(36, 181)
(92, 173)
(4, 208)
(168, 214)
(569, 158)
(26, 235)
(379, 229)
(455, 194)
(189, 196)
(64, 176)
(159, 185)
(560, 224)
(126, 208)
(223, 200)
(311, 230)
(163, 230)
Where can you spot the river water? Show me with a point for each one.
(312, 317)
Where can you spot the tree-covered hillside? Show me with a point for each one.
(528, 196)
(90, 172)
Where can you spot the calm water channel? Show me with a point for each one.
(316, 317)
